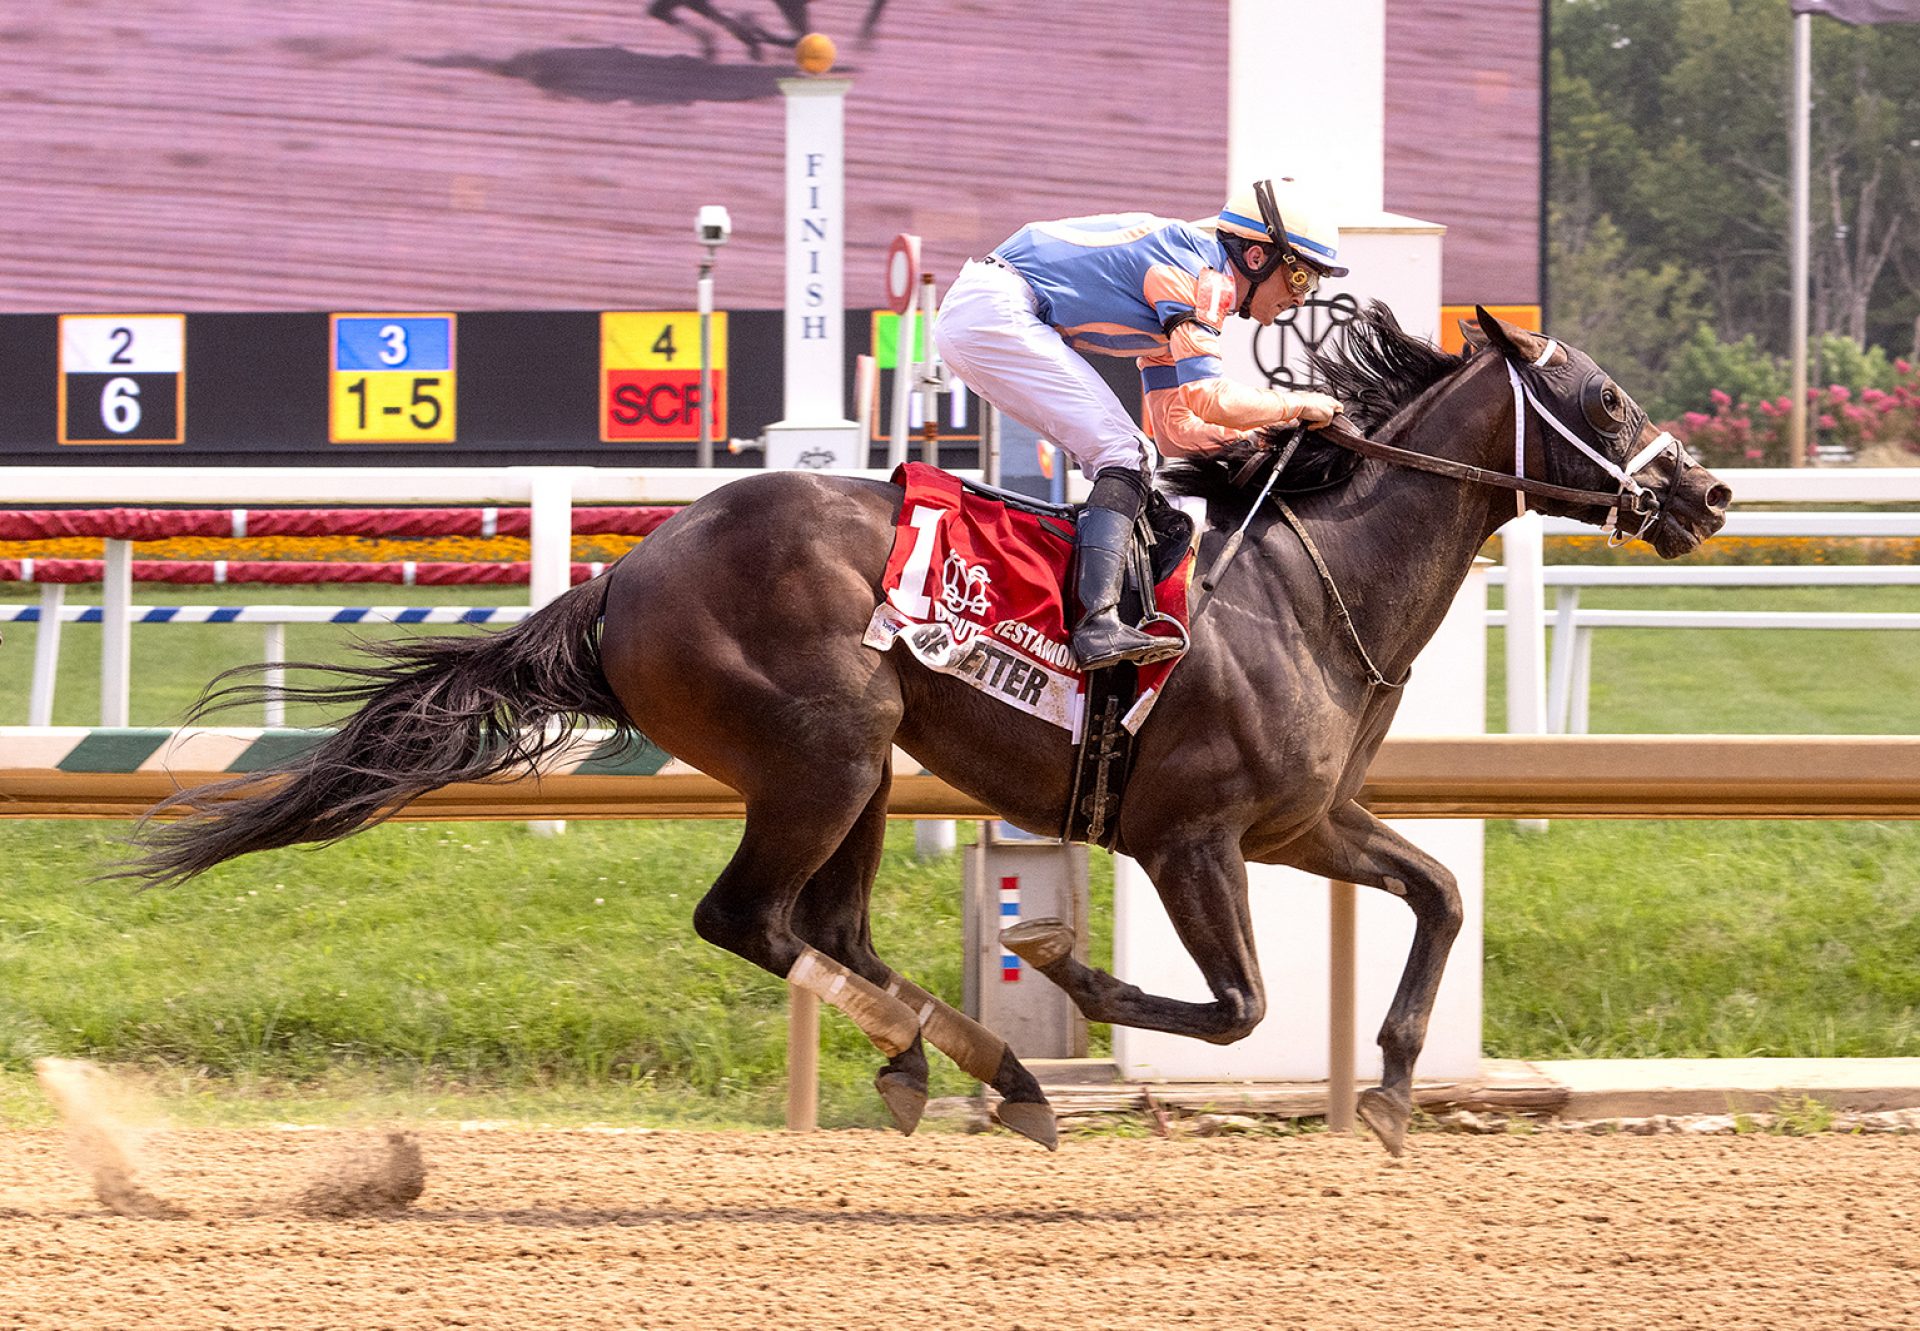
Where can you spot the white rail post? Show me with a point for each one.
(46, 654)
(803, 1059)
(1523, 543)
(276, 676)
(1582, 680)
(116, 632)
(1560, 676)
(551, 568)
(551, 501)
(1342, 948)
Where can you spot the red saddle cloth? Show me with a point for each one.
(977, 590)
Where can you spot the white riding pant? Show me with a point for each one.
(990, 333)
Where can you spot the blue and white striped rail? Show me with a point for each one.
(53, 611)
(17, 613)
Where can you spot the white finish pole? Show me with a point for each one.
(276, 658)
(1802, 170)
(816, 249)
(46, 655)
(116, 632)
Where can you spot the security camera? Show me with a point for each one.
(713, 225)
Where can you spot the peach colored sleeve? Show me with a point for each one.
(1202, 410)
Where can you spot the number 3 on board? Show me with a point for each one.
(392, 379)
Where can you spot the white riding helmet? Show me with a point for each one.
(1287, 217)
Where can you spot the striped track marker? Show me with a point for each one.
(1009, 916)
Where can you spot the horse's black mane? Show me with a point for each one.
(1376, 368)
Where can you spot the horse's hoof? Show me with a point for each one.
(905, 1099)
(1387, 1117)
(1032, 1121)
(1039, 942)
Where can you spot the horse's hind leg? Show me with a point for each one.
(1355, 847)
(833, 914)
(793, 828)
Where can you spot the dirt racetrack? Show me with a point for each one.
(586, 1229)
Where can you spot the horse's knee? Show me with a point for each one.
(1241, 1011)
(1434, 897)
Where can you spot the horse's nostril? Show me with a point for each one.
(1718, 498)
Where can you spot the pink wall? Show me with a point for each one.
(335, 154)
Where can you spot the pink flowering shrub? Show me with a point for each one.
(1754, 434)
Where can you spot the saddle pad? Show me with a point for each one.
(975, 588)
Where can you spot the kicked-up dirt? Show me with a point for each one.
(599, 1229)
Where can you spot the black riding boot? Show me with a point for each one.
(1101, 538)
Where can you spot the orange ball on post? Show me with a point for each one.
(815, 53)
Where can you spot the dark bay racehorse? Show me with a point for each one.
(732, 638)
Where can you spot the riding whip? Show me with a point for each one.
(1219, 566)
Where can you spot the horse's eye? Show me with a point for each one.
(1606, 410)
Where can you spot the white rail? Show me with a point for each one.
(552, 491)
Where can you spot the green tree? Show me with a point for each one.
(1631, 319)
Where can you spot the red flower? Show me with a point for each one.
(1721, 399)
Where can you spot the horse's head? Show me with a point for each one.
(1593, 436)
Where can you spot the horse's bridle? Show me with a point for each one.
(1639, 501)
(1631, 498)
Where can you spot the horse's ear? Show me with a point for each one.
(1515, 342)
(1471, 334)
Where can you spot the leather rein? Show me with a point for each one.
(1631, 499)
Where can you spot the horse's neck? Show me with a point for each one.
(1400, 542)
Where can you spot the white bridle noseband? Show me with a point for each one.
(1627, 475)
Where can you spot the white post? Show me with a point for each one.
(551, 572)
(276, 676)
(1582, 681)
(903, 366)
(704, 457)
(551, 537)
(1797, 333)
(815, 430)
(929, 378)
(1523, 542)
(46, 655)
(1560, 676)
(116, 632)
(1345, 81)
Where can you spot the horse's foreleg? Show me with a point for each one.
(1203, 885)
(1353, 846)
(833, 915)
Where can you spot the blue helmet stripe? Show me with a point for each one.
(1313, 247)
(1252, 224)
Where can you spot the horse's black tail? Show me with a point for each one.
(432, 711)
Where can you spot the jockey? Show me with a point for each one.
(1156, 289)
